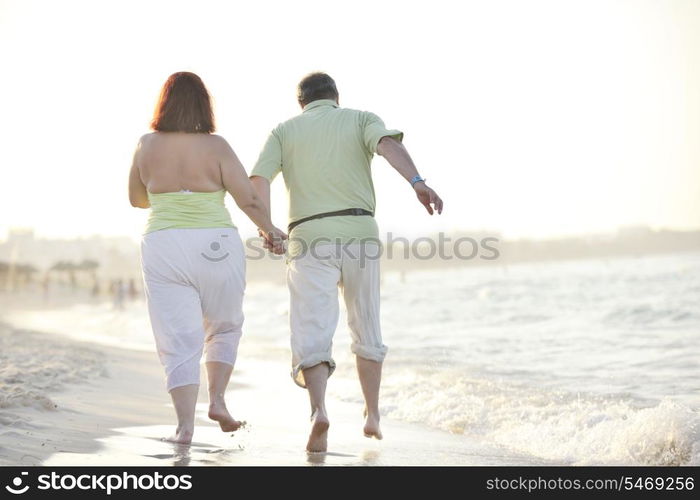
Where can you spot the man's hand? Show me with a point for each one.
(273, 240)
(396, 154)
(428, 198)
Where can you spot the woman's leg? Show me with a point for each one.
(176, 318)
(219, 374)
(185, 400)
(221, 286)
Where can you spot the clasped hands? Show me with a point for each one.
(273, 240)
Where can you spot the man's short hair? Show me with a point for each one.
(315, 86)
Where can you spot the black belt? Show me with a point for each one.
(347, 211)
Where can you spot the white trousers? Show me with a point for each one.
(194, 281)
(313, 279)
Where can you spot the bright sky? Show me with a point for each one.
(532, 118)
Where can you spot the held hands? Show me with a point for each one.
(428, 197)
(273, 240)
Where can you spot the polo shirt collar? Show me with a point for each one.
(320, 102)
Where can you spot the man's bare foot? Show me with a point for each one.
(318, 438)
(372, 429)
(219, 413)
(183, 435)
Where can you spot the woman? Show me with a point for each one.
(192, 256)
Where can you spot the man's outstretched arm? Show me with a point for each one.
(397, 156)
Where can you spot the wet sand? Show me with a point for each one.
(118, 413)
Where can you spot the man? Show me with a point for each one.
(324, 155)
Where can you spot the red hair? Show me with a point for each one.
(184, 105)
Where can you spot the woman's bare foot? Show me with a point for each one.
(219, 413)
(372, 429)
(183, 435)
(318, 438)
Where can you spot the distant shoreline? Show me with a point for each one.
(118, 258)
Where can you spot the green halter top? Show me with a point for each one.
(187, 209)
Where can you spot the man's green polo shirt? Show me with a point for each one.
(324, 155)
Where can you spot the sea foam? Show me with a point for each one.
(557, 426)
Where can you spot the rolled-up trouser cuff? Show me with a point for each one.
(223, 347)
(309, 362)
(186, 373)
(372, 353)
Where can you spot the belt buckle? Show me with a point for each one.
(356, 211)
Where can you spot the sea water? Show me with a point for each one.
(568, 362)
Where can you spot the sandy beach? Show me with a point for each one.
(59, 396)
(92, 405)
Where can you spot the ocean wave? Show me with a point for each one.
(648, 315)
(557, 426)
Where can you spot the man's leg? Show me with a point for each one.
(360, 285)
(370, 374)
(313, 316)
(316, 379)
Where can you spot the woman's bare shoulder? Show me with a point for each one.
(216, 139)
(146, 139)
(219, 143)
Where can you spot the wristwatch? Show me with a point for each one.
(416, 179)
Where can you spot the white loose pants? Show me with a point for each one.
(313, 279)
(194, 281)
